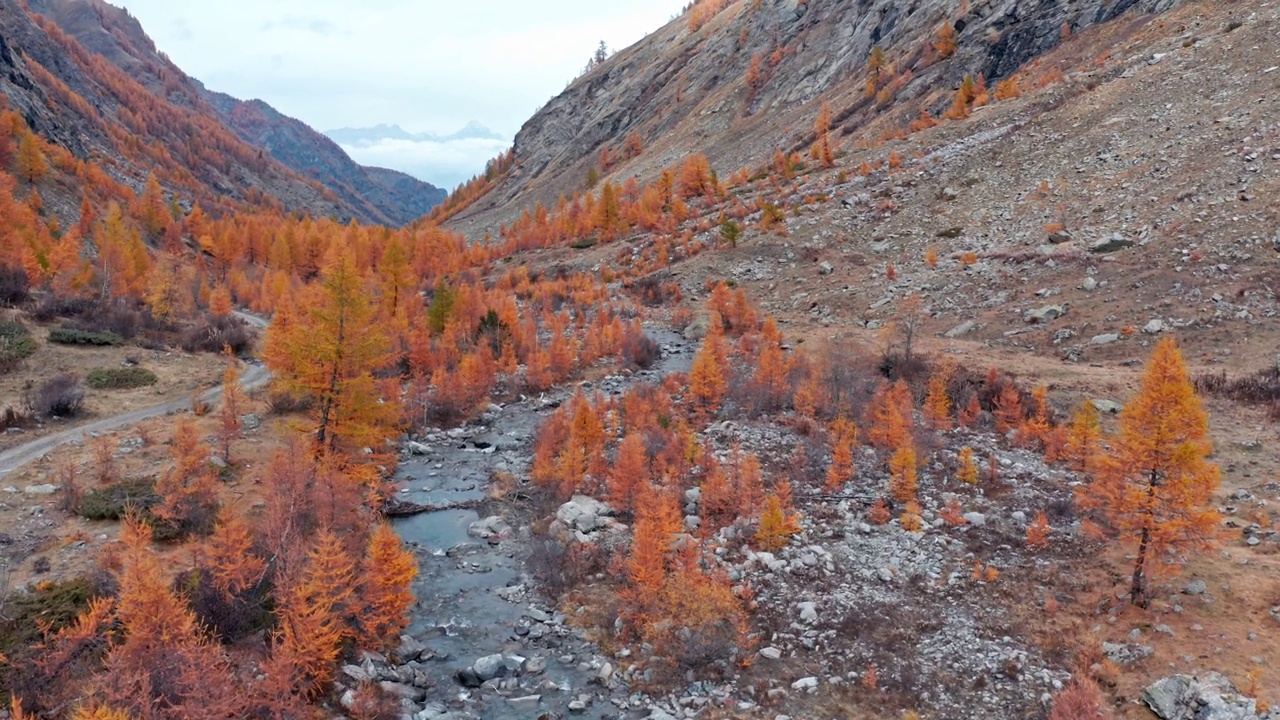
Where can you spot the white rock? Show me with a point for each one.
(808, 683)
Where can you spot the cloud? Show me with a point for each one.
(315, 25)
(443, 164)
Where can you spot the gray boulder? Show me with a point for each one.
(1204, 697)
(584, 514)
(1045, 314)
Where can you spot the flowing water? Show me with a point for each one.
(475, 597)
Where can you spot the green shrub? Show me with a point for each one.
(57, 603)
(113, 501)
(120, 378)
(73, 336)
(16, 344)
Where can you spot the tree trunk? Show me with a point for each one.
(1138, 588)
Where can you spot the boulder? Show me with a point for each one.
(963, 328)
(410, 649)
(490, 667)
(1045, 314)
(825, 268)
(584, 514)
(1126, 653)
(490, 527)
(1107, 406)
(1203, 697)
(47, 489)
(1105, 339)
(1111, 243)
(1155, 327)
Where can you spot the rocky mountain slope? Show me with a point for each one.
(380, 195)
(302, 168)
(684, 91)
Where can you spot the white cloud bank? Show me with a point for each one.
(443, 164)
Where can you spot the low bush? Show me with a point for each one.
(67, 335)
(113, 501)
(14, 418)
(213, 334)
(285, 403)
(14, 286)
(61, 396)
(120, 378)
(16, 344)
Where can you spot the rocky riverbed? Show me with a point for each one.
(483, 642)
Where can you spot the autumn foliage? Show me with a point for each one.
(1154, 490)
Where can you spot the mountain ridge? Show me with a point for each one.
(113, 34)
(473, 130)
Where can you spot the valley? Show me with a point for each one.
(803, 360)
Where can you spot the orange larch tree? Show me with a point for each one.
(937, 406)
(230, 558)
(330, 353)
(1083, 438)
(313, 608)
(1156, 487)
(385, 592)
(707, 378)
(188, 490)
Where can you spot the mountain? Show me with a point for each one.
(342, 187)
(684, 91)
(133, 113)
(295, 144)
(378, 133)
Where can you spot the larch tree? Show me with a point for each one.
(188, 490)
(385, 593)
(31, 165)
(312, 609)
(1156, 486)
(230, 558)
(1084, 436)
(329, 354)
(630, 470)
(164, 665)
(707, 381)
(229, 422)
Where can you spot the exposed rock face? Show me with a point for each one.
(1203, 697)
(303, 156)
(684, 92)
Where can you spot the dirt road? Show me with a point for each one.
(14, 458)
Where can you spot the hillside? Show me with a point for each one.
(684, 91)
(310, 173)
(808, 359)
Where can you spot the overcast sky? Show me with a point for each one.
(428, 65)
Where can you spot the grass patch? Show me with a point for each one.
(57, 603)
(113, 501)
(73, 336)
(120, 378)
(16, 345)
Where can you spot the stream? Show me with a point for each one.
(475, 598)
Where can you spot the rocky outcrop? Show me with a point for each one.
(684, 92)
(1203, 697)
